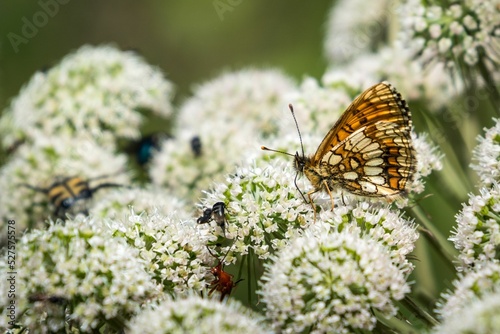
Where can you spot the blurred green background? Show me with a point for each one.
(191, 41)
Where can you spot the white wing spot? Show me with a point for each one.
(368, 186)
(373, 146)
(380, 180)
(360, 145)
(372, 154)
(372, 170)
(332, 159)
(374, 162)
(353, 139)
(351, 176)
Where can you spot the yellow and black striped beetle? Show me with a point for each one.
(71, 194)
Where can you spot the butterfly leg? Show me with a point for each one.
(312, 202)
(329, 193)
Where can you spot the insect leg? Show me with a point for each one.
(329, 193)
(312, 202)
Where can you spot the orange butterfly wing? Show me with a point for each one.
(368, 151)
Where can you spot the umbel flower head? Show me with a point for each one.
(263, 208)
(118, 202)
(95, 92)
(353, 28)
(46, 161)
(253, 95)
(194, 314)
(479, 283)
(317, 107)
(486, 156)
(375, 221)
(466, 32)
(331, 283)
(174, 250)
(479, 316)
(187, 172)
(227, 115)
(98, 280)
(431, 85)
(477, 234)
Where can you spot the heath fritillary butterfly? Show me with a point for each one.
(368, 151)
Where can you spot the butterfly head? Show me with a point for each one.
(300, 162)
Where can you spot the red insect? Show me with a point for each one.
(223, 281)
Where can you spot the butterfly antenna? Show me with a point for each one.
(290, 106)
(264, 148)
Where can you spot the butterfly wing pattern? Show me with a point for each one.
(368, 152)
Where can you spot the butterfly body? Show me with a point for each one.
(368, 152)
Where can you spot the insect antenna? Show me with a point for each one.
(264, 148)
(230, 247)
(290, 106)
(297, 186)
(118, 172)
(41, 190)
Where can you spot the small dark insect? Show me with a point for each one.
(219, 215)
(146, 147)
(71, 194)
(39, 297)
(196, 146)
(223, 281)
(206, 217)
(216, 213)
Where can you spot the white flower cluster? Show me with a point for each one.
(99, 280)
(486, 156)
(117, 203)
(196, 315)
(214, 114)
(353, 28)
(331, 283)
(40, 165)
(481, 316)
(174, 250)
(94, 93)
(184, 172)
(475, 284)
(377, 222)
(263, 206)
(317, 107)
(428, 159)
(253, 94)
(466, 31)
(362, 49)
(477, 234)
(430, 84)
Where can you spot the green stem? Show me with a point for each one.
(420, 313)
(395, 324)
(435, 238)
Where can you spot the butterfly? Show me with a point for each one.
(368, 152)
